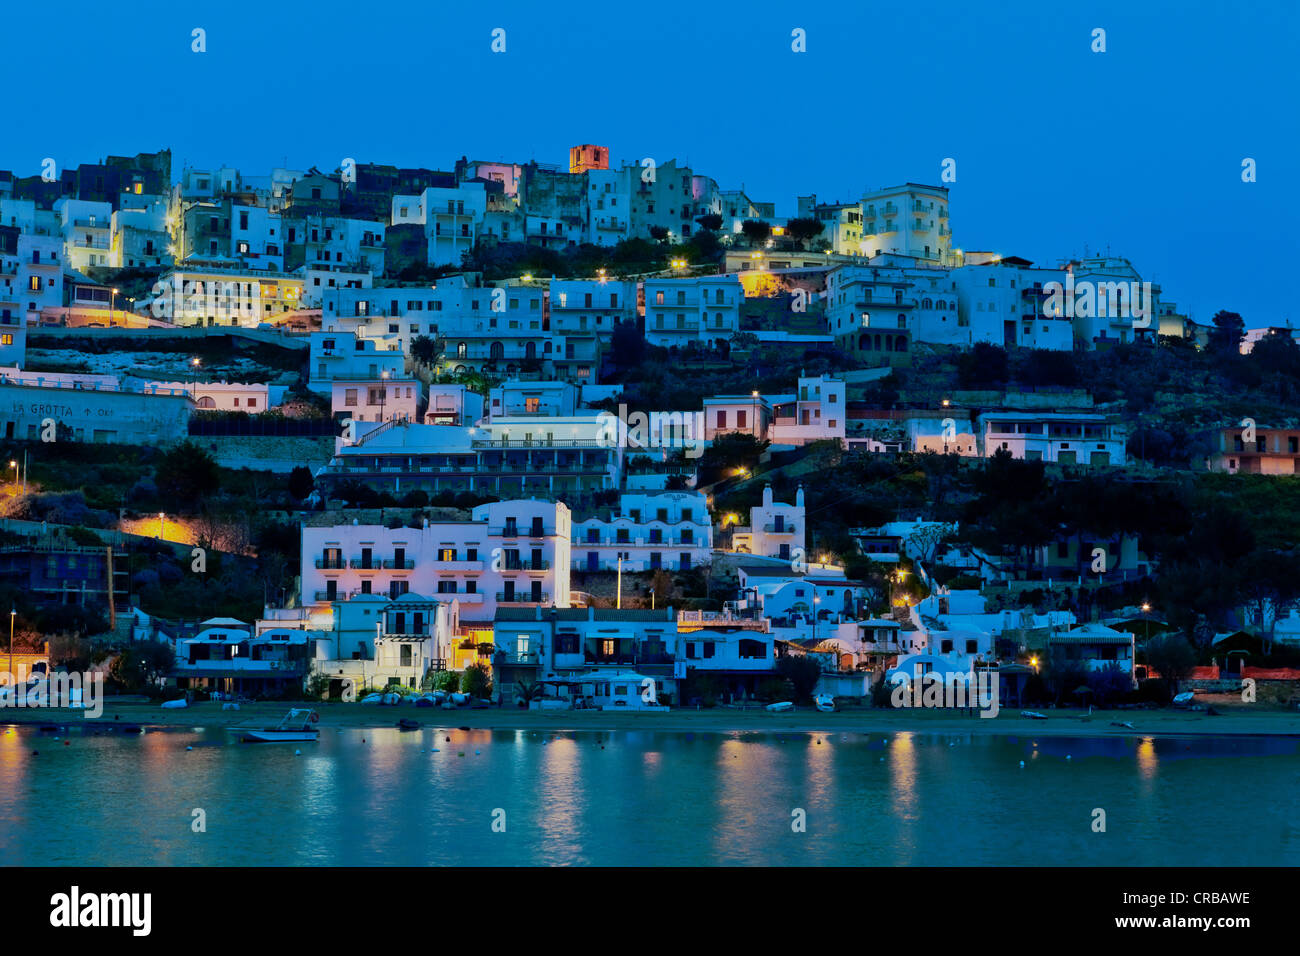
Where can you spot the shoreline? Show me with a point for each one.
(1241, 722)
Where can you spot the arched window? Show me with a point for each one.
(530, 350)
(864, 343)
(206, 402)
(925, 303)
(901, 344)
(496, 351)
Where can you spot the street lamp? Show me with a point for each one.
(112, 307)
(13, 683)
(14, 466)
(1146, 608)
(162, 517)
(194, 376)
(383, 392)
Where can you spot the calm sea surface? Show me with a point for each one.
(375, 797)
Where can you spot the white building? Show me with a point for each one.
(910, 220)
(815, 412)
(775, 530)
(1002, 300)
(87, 232)
(376, 400)
(453, 405)
(1063, 438)
(348, 357)
(510, 553)
(451, 217)
(882, 307)
(704, 310)
(253, 397)
(515, 398)
(671, 530)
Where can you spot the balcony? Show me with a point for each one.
(528, 566)
(332, 564)
(771, 528)
(360, 564)
(514, 657)
(523, 597)
(392, 564)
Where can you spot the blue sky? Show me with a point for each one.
(1059, 150)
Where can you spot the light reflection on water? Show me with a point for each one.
(374, 797)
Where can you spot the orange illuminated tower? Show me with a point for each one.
(585, 157)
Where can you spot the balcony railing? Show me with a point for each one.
(522, 597)
(332, 564)
(404, 565)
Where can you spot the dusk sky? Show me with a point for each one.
(1059, 150)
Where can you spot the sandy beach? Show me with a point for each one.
(1235, 721)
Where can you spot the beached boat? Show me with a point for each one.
(406, 723)
(1185, 698)
(825, 703)
(1033, 715)
(781, 707)
(295, 726)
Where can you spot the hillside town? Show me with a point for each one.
(616, 435)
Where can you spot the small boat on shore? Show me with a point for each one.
(406, 723)
(297, 725)
(780, 707)
(1033, 715)
(825, 703)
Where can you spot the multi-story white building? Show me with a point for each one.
(1063, 438)
(510, 553)
(40, 272)
(257, 237)
(1001, 300)
(583, 642)
(510, 457)
(514, 398)
(1108, 301)
(911, 220)
(381, 400)
(671, 530)
(704, 310)
(451, 217)
(140, 236)
(775, 530)
(453, 405)
(815, 412)
(877, 310)
(348, 357)
(87, 232)
(609, 205)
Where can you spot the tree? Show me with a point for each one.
(756, 231)
(1171, 656)
(301, 483)
(424, 350)
(186, 474)
(476, 681)
(710, 221)
(804, 229)
(1229, 329)
(801, 671)
(142, 665)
